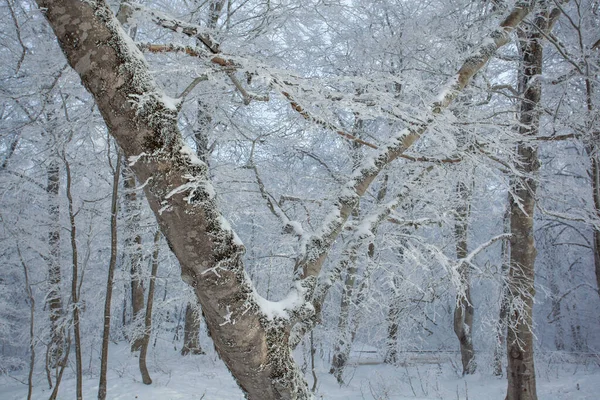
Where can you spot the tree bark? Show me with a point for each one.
(464, 311)
(133, 255)
(396, 298)
(110, 279)
(180, 194)
(191, 330)
(595, 175)
(74, 286)
(503, 312)
(54, 299)
(344, 343)
(521, 289)
(31, 300)
(148, 317)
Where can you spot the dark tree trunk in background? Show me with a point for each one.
(110, 279)
(75, 286)
(464, 311)
(148, 317)
(521, 289)
(54, 300)
(503, 313)
(395, 307)
(595, 176)
(133, 255)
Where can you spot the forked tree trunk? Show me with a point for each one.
(348, 326)
(254, 345)
(343, 344)
(464, 311)
(191, 330)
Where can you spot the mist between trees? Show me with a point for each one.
(295, 178)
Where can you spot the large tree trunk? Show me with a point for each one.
(592, 150)
(520, 343)
(252, 345)
(464, 311)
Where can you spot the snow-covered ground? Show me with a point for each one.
(423, 377)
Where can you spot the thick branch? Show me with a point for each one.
(318, 246)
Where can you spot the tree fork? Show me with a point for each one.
(177, 187)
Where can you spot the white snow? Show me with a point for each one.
(423, 376)
(191, 155)
(134, 159)
(281, 308)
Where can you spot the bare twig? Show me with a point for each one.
(192, 85)
(20, 40)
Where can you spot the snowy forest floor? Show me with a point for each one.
(432, 376)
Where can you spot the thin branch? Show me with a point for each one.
(318, 246)
(24, 177)
(178, 26)
(453, 160)
(289, 226)
(20, 40)
(197, 32)
(556, 138)
(192, 85)
(247, 96)
(189, 50)
(468, 259)
(307, 116)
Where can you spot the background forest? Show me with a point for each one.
(292, 99)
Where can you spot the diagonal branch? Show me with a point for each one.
(178, 26)
(317, 247)
(363, 232)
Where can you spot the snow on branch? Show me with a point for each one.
(175, 25)
(469, 258)
(364, 231)
(476, 61)
(318, 246)
(289, 226)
